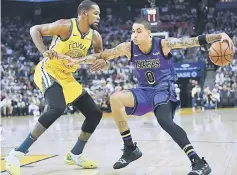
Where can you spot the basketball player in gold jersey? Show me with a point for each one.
(71, 37)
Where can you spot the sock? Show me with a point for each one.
(127, 138)
(26, 144)
(78, 147)
(74, 157)
(190, 152)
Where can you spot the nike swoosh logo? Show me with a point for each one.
(136, 55)
(157, 53)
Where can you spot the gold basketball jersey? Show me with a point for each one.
(75, 46)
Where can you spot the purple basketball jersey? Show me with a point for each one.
(155, 75)
(154, 67)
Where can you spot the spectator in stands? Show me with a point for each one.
(6, 105)
(177, 91)
(227, 97)
(219, 77)
(197, 98)
(211, 98)
(235, 90)
(19, 55)
(105, 105)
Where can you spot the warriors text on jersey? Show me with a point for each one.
(77, 45)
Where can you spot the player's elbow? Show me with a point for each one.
(34, 29)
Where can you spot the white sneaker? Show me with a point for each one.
(79, 160)
(13, 162)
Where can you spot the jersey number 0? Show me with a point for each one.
(150, 77)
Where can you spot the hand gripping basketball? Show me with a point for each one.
(221, 52)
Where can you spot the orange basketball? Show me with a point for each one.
(220, 53)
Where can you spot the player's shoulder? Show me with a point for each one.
(157, 39)
(96, 34)
(61, 27)
(63, 22)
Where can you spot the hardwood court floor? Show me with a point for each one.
(213, 134)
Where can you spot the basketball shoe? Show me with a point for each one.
(13, 163)
(129, 154)
(200, 167)
(79, 160)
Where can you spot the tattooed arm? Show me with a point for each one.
(123, 49)
(175, 43)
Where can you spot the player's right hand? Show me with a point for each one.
(71, 62)
(51, 54)
(225, 37)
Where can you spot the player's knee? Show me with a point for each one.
(97, 113)
(115, 97)
(163, 123)
(94, 114)
(164, 118)
(51, 114)
(59, 109)
(167, 125)
(92, 120)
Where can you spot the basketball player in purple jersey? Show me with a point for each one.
(155, 91)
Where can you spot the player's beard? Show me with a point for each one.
(94, 26)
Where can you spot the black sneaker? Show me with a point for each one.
(129, 155)
(200, 167)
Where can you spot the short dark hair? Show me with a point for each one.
(85, 5)
(143, 21)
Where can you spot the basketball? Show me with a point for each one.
(220, 53)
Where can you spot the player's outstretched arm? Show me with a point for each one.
(123, 49)
(176, 43)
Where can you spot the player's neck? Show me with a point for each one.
(146, 46)
(83, 26)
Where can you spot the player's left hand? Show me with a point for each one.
(98, 65)
(71, 61)
(225, 37)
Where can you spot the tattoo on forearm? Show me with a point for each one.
(213, 37)
(182, 42)
(120, 50)
(110, 53)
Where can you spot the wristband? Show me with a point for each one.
(202, 39)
